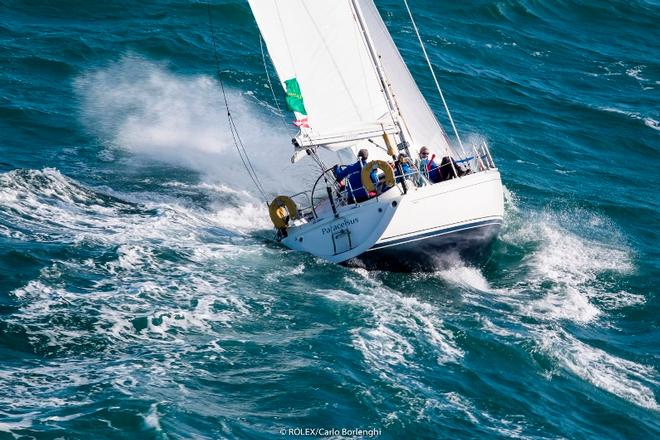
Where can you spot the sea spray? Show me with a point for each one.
(147, 109)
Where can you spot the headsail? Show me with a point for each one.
(332, 81)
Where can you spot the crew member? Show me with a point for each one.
(402, 167)
(354, 190)
(438, 173)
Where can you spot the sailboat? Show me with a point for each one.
(350, 91)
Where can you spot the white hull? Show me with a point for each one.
(408, 231)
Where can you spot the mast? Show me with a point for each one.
(389, 96)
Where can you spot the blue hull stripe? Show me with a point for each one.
(438, 232)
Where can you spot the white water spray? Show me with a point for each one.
(145, 108)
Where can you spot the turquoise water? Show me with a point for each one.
(142, 294)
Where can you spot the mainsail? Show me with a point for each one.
(333, 58)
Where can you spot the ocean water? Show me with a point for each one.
(142, 294)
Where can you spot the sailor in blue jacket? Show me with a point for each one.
(402, 167)
(355, 191)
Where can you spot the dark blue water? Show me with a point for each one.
(142, 294)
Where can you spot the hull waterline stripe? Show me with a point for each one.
(437, 233)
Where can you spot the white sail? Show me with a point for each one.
(320, 47)
(419, 122)
(319, 44)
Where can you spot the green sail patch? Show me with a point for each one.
(294, 99)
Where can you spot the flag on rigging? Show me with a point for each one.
(294, 99)
(295, 103)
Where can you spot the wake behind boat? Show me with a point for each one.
(411, 201)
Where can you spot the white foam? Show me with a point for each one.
(53, 207)
(28, 386)
(398, 329)
(382, 346)
(624, 378)
(247, 217)
(139, 297)
(63, 418)
(9, 427)
(648, 121)
(298, 270)
(152, 419)
(620, 299)
(565, 270)
(452, 402)
(491, 327)
(652, 123)
(635, 72)
(462, 404)
(132, 257)
(136, 269)
(567, 266)
(564, 303)
(466, 276)
(510, 200)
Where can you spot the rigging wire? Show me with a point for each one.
(435, 79)
(270, 84)
(238, 142)
(318, 160)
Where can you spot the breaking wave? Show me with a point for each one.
(566, 282)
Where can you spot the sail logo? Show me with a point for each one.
(339, 226)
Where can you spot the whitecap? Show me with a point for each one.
(466, 276)
(399, 329)
(635, 72)
(621, 377)
(647, 120)
(152, 418)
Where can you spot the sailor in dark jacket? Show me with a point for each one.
(355, 191)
